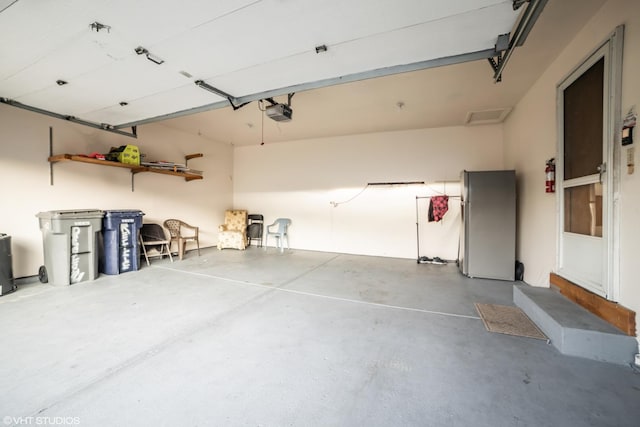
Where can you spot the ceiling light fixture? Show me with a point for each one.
(61, 82)
(124, 104)
(321, 48)
(140, 50)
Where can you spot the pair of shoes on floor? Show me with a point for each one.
(434, 260)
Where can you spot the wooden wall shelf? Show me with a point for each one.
(83, 159)
(133, 168)
(187, 176)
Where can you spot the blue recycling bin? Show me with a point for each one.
(120, 241)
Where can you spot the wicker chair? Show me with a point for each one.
(181, 232)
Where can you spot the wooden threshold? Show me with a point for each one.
(609, 311)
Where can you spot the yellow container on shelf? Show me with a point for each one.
(130, 155)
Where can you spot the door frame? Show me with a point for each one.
(611, 49)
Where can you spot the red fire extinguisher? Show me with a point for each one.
(550, 172)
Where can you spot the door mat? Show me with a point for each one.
(505, 319)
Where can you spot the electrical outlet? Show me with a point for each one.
(631, 154)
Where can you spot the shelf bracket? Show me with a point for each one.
(133, 173)
(191, 156)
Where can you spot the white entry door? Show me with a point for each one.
(586, 117)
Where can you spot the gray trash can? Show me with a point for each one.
(7, 283)
(70, 240)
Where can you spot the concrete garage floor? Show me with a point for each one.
(259, 338)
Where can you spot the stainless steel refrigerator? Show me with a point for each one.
(488, 234)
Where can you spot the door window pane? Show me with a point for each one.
(583, 123)
(583, 209)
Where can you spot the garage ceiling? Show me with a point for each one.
(120, 63)
(429, 98)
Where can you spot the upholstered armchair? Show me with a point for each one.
(233, 233)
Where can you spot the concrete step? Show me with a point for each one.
(572, 329)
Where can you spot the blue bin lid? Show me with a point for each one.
(123, 213)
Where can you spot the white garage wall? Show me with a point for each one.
(24, 172)
(300, 179)
(530, 139)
